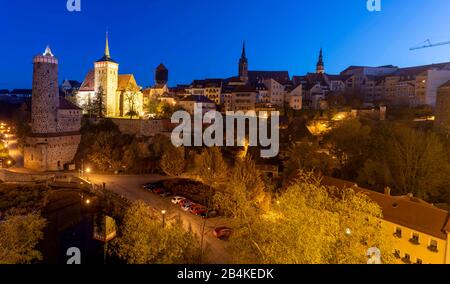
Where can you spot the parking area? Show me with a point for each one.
(131, 187)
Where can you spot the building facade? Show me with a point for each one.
(442, 121)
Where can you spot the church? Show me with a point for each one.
(121, 95)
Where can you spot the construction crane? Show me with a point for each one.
(428, 44)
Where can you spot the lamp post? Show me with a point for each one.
(163, 212)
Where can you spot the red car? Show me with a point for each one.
(158, 191)
(223, 233)
(198, 210)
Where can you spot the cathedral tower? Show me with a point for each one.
(106, 80)
(320, 69)
(45, 97)
(243, 66)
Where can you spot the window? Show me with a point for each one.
(407, 258)
(415, 239)
(433, 246)
(398, 232)
(397, 254)
(419, 261)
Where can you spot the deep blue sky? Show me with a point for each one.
(202, 38)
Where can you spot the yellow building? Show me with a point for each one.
(421, 229)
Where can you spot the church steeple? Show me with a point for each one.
(243, 65)
(320, 69)
(243, 51)
(107, 54)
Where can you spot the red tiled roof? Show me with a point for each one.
(89, 82)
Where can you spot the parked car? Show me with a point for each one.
(158, 191)
(177, 199)
(223, 233)
(184, 201)
(198, 209)
(166, 193)
(187, 206)
(209, 214)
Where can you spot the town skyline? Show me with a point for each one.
(189, 56)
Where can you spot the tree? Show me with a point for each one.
(408, 161)
(99, 104)
(244, 193)
(351, 144)
(211, 167)
(19, 236)
(143, 240)
(104, 150)
(306, 156)
(173, 161)
(131, 154)
(313, 224)
(131, 99)
(152, 105)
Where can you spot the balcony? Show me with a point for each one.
(414, 241)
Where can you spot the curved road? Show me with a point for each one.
(129, 187)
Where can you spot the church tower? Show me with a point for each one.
(320, 69)
(243, 66)
(45, 97)
(106, 80)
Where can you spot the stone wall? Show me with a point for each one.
(141, 127)
(50, 153)
(8, 176)
(69, 120)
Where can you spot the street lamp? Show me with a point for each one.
(348, 232)
(163, 212)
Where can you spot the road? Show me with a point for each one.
(130, 188)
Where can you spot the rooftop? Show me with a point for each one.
(406, 211)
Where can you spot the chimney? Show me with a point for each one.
(387, 191)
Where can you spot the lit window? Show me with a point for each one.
(433, 246)
(398, 232)
(415, 239)
(419, 261)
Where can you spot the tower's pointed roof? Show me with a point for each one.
(48, 51)
(107, 56)
(320, 62)
(244, 55)
(161, 67)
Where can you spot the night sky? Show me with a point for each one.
(199, 39)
